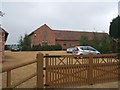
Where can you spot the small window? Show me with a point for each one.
(64, 44)
(44, 33)
(34, 35)
(44, 43)
(84, 48)
(76, 49)
(92, 49)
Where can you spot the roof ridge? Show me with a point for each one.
(79, 31)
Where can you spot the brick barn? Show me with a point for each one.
(44, 35)
(3, 38)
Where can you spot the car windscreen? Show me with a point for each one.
(15, 46)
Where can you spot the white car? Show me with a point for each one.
(15, 47)
(70, 50)
(83, 50)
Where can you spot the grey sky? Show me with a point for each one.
(25, 17)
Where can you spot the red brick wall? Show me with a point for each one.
(0, 50)
(1, 47)
(43, 33)
(2, 42)
(67, 44)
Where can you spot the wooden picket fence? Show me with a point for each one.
(59, 71)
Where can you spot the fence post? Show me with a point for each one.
(40, 70)
(9, 79)
(118, 56)
(46, 71)
(90, 70)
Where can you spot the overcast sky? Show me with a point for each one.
(25, 17)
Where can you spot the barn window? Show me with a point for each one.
(44, 33)
(64, 44)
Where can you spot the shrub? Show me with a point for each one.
(46, 48)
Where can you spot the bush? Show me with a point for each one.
(46, 48)
(7, 47)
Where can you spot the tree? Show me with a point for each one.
(115, 28)
(114, 32)
(21, 42)
(84, 40)
(25, 43)
(101, 44)
(96, 42)
(105, 42)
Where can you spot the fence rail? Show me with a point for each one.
(4, 69)
(56, 71)
(72, 70)
(9, 75)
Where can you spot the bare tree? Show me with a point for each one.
(2, 14)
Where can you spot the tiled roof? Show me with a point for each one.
(6, 33)
(75, 35)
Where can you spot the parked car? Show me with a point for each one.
(15, 47)
(70, 50)
(83, 50)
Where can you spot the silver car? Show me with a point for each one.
(83, 50)
(70, 50)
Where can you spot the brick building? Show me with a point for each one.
(44, 35)
(3, 38)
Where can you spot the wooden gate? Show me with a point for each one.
(70, 70)
(106, 68)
